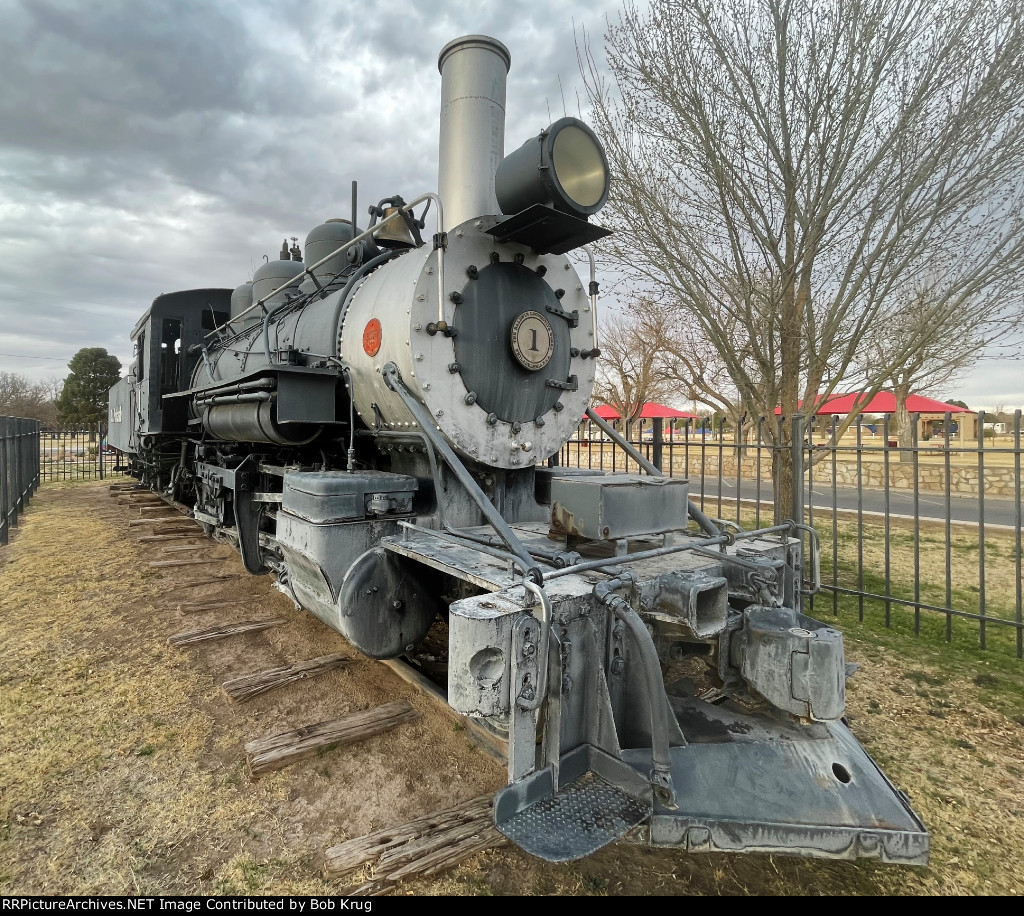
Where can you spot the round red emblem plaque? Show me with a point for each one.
(371, 337)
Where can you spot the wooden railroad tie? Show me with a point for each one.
(183, 548)
(248, 686)
(132, 523)
(196, 583)
(175, 526)
(277, 751)
(182, 535)
(191, 637)
(422, 847)
(197, 607)
(163, 563)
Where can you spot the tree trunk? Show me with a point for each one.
(789, 390)
(782, 476)
(794, 294)
(904, 424)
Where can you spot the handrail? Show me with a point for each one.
(373, 230)
(592, 291)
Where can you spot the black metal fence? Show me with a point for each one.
(76, 454)
(19, 470)
(31, 455)
(925, 538)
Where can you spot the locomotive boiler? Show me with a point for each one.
(372, 422)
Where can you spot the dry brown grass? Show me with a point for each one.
(121, 765)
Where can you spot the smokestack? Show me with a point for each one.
(473, 70)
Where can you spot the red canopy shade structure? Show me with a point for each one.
(883, 402)
(650, 411)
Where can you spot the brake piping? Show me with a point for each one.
(661, 762)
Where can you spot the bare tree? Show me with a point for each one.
(693, 363)
(632, 369)
(20, 397)
(796, 167)
(53, 385)
(920, 348)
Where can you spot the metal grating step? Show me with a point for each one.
(578, 820)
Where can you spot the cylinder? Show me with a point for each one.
(255, 422)
(473, 70)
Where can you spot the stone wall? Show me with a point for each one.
(999, 480)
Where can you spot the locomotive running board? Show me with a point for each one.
(822, 796)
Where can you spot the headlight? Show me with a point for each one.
(564, 167)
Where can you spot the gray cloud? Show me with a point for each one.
(158, 146)
(147, 147)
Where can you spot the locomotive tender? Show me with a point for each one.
(372, 427)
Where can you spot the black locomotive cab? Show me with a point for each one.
(167, 344)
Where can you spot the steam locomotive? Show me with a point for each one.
(373, 427)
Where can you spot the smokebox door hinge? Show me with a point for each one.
(572, 317)
(570, 384)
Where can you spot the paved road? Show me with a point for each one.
(931, 506)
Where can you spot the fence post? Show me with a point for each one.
(797, 484)
(656, 442)
(13, 472)
(4, 473)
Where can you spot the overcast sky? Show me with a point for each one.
(152, 146)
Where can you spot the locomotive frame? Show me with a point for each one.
(373, 430)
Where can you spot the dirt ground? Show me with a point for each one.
(122, 766)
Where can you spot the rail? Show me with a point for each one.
(368, 233)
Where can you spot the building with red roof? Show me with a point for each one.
(651, 410)
(931, 419)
